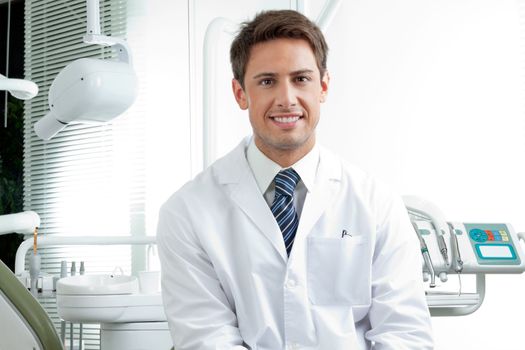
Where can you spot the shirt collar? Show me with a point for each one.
(264, 169)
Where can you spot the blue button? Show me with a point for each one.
(478, 235)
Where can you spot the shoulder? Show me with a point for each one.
(356, 183)
(208, 184)
(336, 167)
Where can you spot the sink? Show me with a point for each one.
(107, 299)
(108, 308)
(98, 285)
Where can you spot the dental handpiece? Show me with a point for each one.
(426, 257)
(442, 245)
(458, 266)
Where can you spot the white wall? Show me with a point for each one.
(427, 95)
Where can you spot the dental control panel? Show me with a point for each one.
(473, 248)
(492, 244)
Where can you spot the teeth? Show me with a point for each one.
(286, 119)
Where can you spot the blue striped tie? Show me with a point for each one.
(283, 208)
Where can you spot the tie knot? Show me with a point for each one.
(285, 182)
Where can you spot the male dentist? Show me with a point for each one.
(280, 244)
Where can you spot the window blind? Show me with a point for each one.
(89, 179)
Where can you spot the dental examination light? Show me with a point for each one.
(90, 90)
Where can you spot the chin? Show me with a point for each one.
(291, 144)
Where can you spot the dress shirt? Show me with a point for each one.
(264, 170)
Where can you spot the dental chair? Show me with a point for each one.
(24, 323)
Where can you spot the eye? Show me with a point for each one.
(302, 79)
(266, 82)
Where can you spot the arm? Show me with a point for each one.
(198, 312)
(399, 315)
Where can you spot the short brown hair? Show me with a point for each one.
(276, 24)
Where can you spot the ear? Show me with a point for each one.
(240, 95)
(325, 81)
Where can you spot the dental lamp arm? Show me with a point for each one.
(24, 222)
(19, 88)
(120, 45)
(94, 36)
(327, 14)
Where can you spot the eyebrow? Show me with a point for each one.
(302, 71)
(271, 75)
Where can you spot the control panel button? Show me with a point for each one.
(478, 235)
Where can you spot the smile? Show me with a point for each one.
(286, 119)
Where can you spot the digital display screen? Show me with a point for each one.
(496, 252)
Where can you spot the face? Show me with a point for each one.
(282, 91)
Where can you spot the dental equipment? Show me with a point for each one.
(57, 240)
(90, 90)
(426, 257)
(427, 209)
(26, 322)
(24, 222)
(128, 319)
(35, 261)
(476, 249)
(458, 263)
(63, 273)
(19, 88)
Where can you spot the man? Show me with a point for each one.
(279, 244)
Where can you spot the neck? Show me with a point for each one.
(286, 157)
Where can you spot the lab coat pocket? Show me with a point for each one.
(339, 271)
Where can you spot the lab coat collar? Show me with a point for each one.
(235, 174)
(265, 169)
(231, 168)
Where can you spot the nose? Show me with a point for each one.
(286, 96)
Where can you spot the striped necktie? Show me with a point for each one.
(283, 208)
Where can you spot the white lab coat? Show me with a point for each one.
(228, 284)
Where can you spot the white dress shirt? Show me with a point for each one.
(264, 170)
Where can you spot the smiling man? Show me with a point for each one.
(282, 88)
(280, 244)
